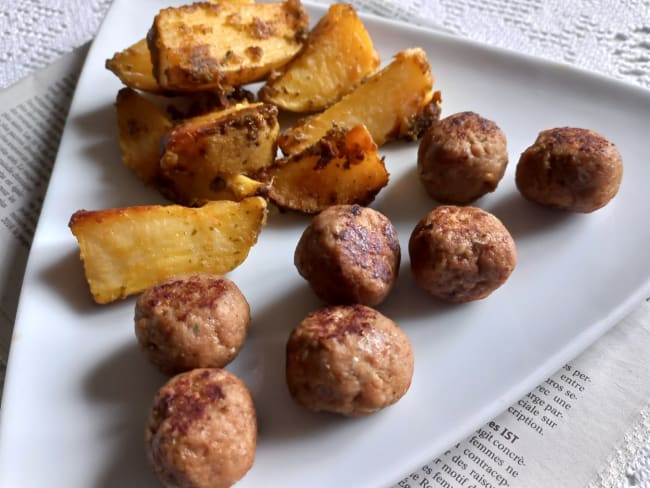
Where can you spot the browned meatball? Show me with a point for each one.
(348, 359)
(202, 430)
(192, 321)
(461, 158)
(349, 254)
(460, 254)
(570, 169)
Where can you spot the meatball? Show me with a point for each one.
(460, 254)
(461, 158)
(349, 254)
(202, 430)
(570, 169)
(192, 321)
(348, 359)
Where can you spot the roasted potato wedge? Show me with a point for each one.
(126, 250)
(141, 127)
(342, 168)
(133, 67)
(202, 154)
(338, 54)
(395, 103)
(218, 46)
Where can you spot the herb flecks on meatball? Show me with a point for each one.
(570, 169)
(202, 431)
(461, 158)
(348, 359)
(192, 321)
(349, 254)
(460, 254)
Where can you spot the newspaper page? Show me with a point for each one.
(32, 116)
(561, 431)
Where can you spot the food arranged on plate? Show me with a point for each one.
(190, 128)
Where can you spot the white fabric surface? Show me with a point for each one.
(608, 36)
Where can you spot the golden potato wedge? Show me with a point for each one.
(141, 127)
(133, 65)
(392, 104)
(342, 168)
(338, 54)
(126, 250)
(203, 46)
(202, 154)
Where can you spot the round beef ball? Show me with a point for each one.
(348, 359)
(192, 321)
(349, 254)
(460, 254)
(461, 158)
(202, 430)
(570, 169)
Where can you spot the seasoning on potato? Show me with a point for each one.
(192, 321)
(202, 430)
(461, 158)
(218, 46)
(460, 254)
(343, 167)
(570, 169)
(337, 56)
(127, 250)
(349, 254)
(348, 359)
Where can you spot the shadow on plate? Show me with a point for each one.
(66, 276)
(526, 219)
(404, 200)
(262, 366)
(407, 301)
(126, 385)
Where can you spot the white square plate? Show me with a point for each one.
(78, 389)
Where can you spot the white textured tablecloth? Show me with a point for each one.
(608, 36)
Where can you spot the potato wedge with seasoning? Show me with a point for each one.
(201, 155)
(142, 126)
(133, 65)
(337, 56)
(126, 250)
(395, 103)
(218, 46)
(342, 168)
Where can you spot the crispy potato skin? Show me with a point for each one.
(338, 55)
(133, 67)
(200, 156)
(203, 46)
(387, 111)
(127, 250)
(199, 159)
(344, 167)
